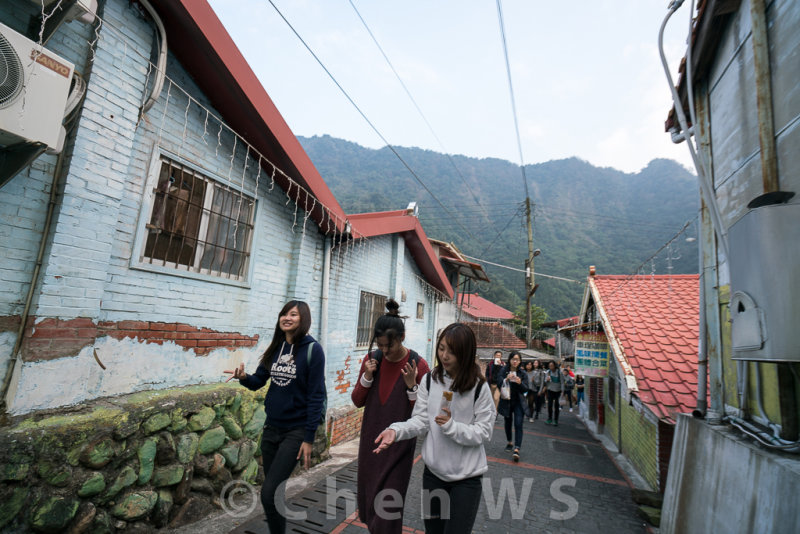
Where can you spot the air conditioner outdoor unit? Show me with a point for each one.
(34, 86)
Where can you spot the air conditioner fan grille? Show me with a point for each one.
(10, 73)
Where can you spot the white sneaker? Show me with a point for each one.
(570, 410)
(530, 419)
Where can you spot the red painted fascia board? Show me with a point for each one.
(203, 46)
(400, 222)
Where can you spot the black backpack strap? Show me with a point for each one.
(477, 391)
(428, 383)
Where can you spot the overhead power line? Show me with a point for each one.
(522, 270)
(369, 122)
(513, 100)
(419, 110)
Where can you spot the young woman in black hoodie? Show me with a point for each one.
(295, 363)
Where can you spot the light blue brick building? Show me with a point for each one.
(180, 229)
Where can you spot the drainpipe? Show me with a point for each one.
(161, 66)
(702, 344)
(326, 286)
(12, 364)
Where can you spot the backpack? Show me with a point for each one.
(325, 400)
(428, 387)
(569, 381)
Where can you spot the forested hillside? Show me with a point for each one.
(583, 215)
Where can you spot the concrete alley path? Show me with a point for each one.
(565, 482)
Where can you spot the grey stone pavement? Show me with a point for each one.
(575, 482)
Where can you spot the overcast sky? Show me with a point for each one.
(587, 77)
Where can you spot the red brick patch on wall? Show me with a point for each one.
(52, 338)
(347, 426)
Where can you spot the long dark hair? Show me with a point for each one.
(390, 324)
(279, 336)
(461, 340)
(511, 356)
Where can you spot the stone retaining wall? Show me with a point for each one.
(136, 462)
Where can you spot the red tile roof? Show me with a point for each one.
(495, 336)
(654, 319)
(550, 341)
(480, 308)
(407, 225)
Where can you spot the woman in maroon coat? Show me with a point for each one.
(387, 389)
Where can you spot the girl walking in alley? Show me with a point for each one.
(535, 394)
(569, 385)
(579, 384)
(554, 385)
(295, 363)
(513, 408)
(455, 409)
(387, 388)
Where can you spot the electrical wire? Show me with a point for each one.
(364, 116)
(513, 100)
(514, 216)
(413, 101)
(487, 262)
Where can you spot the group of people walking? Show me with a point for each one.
(520, 390)
(451, 405)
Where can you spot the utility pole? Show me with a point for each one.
(529, 272)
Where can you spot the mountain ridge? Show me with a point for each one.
(583, 215)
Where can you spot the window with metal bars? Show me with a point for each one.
(370, 308)
(420, 310)
(198, 224)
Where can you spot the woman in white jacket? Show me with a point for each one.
(456, 411)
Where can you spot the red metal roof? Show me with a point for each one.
(495, 336)
(550, 341)
(480, 308)
(205, 49)
(655, 319)
(561, 323)
(405, 224)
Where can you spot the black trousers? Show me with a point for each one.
(552, 405)
(450, 507)
(279, 448)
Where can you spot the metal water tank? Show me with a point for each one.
(765, 284)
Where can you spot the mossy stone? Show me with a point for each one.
(250, 472)
(167, 476)
(93, 485)
(74, 454)
(125, 478)
(258, 444)
(14, 471)
(162, 509)
(231, 428)
(156, 422)
(220, 409)
(55, 475)
(126, 428)
(165, 449)
(247, 451)
(187, 447)
(10, 506)
(256, 424)
(211, 440)
(231, 454)
(246, 410)
(147, 458)
(179, 422)
(235, 403)
(53, 514)
(135, 505)
(98, 454)
(202, 419)
(101, 524)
